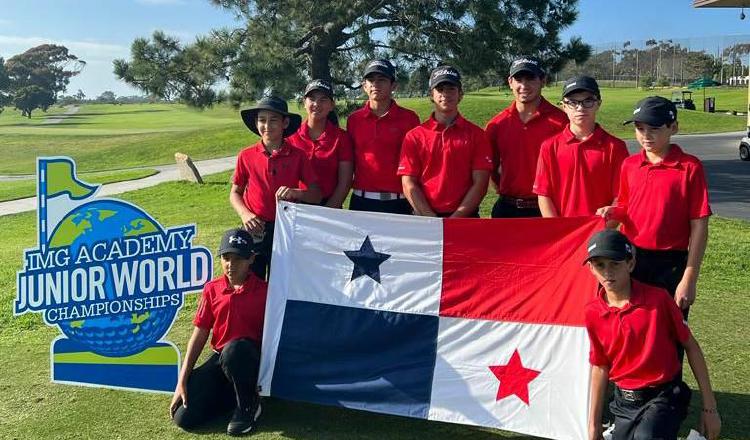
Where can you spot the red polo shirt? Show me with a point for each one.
(232, 314)
(377, 145)
(262, 174)
(516, 145)
(638, 342)
(325, 153)
(661, 199)
(443, 158)
(580, 176)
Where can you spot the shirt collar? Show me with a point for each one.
(434, 125)
(304, 130)
(284, 150)
(635, 301)
(594, 137)
(394, 108)
(245, 288)
(673, 158)
(544, 107)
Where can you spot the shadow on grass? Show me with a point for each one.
(294, 420)
(300, 421)
(733, 410)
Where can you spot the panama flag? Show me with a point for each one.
(472, 321)
(58, 192)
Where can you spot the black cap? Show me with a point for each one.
(276, 105)
(445, 74)
(654, 111)
(609, 243)
(527, 64)
(383, 67)
(581, 83)
(319, 84)
(238, 241)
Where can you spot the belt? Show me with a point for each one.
(644, 394)
(519, 203)
(374, 195)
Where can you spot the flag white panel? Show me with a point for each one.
(465, 389)
(410, 279)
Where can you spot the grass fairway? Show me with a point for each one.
(32, 407)
(18, 189)
(106, 137)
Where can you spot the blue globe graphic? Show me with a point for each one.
(122, 334)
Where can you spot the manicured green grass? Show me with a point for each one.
(105, 137)
(18, 189)
(32, 407)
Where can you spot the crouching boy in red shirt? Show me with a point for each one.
(231, 310)
(634, 330)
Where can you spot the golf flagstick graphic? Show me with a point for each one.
(64, 193)
(111, 279)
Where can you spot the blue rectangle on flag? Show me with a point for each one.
(356, 358)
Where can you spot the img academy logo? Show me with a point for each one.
(111, 278)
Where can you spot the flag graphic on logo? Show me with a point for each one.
(111, 279)
(472, 321)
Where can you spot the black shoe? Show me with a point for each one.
(244, 419)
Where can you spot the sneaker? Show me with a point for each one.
(244, 419)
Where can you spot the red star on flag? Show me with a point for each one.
(514, 378)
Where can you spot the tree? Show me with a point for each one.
(107, 97)
(285, 43)
(4, 86)
(36, 76)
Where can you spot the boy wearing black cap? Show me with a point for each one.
(231, 311)
(328, 146)
(515, 136)
(377, 131)
(663, 204)
(269, 170)
(446, 161)
(634, 330)
(579, 169)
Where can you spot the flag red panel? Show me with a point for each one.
(522, 270)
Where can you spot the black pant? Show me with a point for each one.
(506, 210)
(657, 418)
(225, 381)
(262, 264)
(661, 268)
(398, 206)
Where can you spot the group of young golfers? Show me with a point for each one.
(543, 161)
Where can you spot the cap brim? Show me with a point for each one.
(535, 72)
(613, 255)
(651, 122)
(328, 93)
(449, 81)
(373, 71)
(581, 89)
(238, 251)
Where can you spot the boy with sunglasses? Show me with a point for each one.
(579, 169)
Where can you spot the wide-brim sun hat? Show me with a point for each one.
(273, 104)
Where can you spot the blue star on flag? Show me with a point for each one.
(366, 261)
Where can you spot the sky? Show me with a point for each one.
(98, 31)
